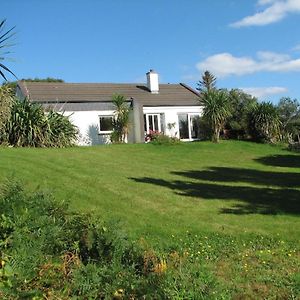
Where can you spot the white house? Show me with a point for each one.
(173, 109)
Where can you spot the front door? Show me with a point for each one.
(189, 126)
(152, 123)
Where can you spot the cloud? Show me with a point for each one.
(262, 92)
(225, 64)
(296, 48)
(276, 11)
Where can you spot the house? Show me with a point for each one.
(173, 109)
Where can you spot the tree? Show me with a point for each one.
(289, 113)
(4, 37)
(241, 105)
(121, 119)
(216, 111)
(207, 83)
(265, 122)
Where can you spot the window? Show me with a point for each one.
(153, 122)
(189, 126)
(106, 124)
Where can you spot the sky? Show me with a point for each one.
(253, 45)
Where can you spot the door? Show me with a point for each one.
(189, 126)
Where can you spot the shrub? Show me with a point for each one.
(159, 138)
(47, 252)
(30, 126)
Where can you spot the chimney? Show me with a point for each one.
(152, 82)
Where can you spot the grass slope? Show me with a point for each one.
(231, 208)
(233, 187)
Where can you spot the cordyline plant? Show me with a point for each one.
(121, 121)
(5, 36)
(216, 110)
(266, 122)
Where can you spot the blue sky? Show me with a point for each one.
(254, 45)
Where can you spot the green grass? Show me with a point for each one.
(238, 194)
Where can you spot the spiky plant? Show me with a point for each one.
(121, 121)
(216, 110)
(5, 36)
(30, 126)
(266, 122)
(61, 132)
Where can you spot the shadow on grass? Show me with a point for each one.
(290, 161)
(283, 199)
(266, 178)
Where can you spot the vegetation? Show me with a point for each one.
(216, 110)
(6, 100)
(241, 106)
(289, 113)
(30, 126)
(239, 220)
(265, 122)
(5, 36)
(121, 120)
(207, 84)
(49, 252)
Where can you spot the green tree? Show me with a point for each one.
(121, 121)
(241, 105)
(207, 83)
(5, 36)
(265, 122)
(216, 110)
(289, 112)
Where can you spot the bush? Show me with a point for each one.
(30, 125)
(159, 138)
(47, 252)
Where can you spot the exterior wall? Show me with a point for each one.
(171, 115)
(88, 125)
(88, 122)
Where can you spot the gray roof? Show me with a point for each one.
(57, 92)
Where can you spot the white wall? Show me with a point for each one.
(88, 125)
(88, 122)
(171, 115)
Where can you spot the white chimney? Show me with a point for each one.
(152, 82)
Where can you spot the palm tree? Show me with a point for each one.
(121, 119)
(4, 37)
(216, 110)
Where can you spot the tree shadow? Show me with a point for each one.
(290, 161)
(266, 178)
(283, 199)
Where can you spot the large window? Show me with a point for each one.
(189, 126)
(105, 124)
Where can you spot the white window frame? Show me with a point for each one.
(158, 120)
(104, 131)
(189, 125)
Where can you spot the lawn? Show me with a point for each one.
(241, 196)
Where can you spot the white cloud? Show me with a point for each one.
(276, 11)
(262, 92)
(225, 64)
(296, 48)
